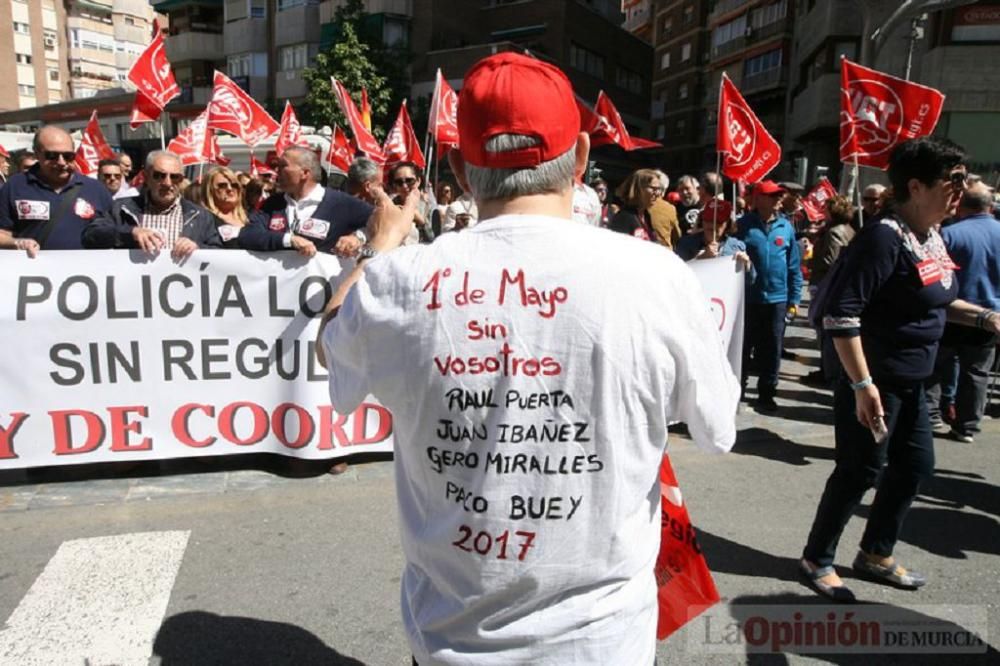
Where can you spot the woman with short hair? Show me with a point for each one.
(638, 193)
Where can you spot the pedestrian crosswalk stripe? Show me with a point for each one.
(98, 601)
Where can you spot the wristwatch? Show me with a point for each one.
(360, 235)
(366, 252)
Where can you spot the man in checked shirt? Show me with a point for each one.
(159, 218)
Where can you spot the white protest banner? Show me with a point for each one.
(114, 356)
(722, 281)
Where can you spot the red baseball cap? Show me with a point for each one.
(3, 151)
(766, 187)
(509, 93)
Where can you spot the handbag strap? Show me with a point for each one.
(65, 198)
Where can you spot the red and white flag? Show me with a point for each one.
(258, 168)
(367, 143)
(401, 144)
(151, 73)
(215, 155)
(93, 147)
(341, 152)
(232, 110)
(290, 131)
(443, 120)
(749, 152)
(878, 111)
(144, 110)
(609, 128)
(195, 144)
(814, 203)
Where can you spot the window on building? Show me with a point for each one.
(238, 65)
(686, 52)
(22, 28)
(51, 40)
(395, 32)
(293, 58)
(661, 132)
(668, 25)
(26, 90)
(768, 14)
(683, 91)
(765, 62)
(688, 15)
(129, 20)
(22, 58)
(288, 4)
(681, 125)
(586, 60)
(665, 60)
(629, 80)
(53, 75)
(727, 32)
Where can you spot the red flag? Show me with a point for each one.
(151, 72)
(366, 142)
(195, 144)
(366, 110)
(258, 168)
(609, 127)
(93, 148)
(878, 111)
(401, 143)
(814, 203)
(138, 179)
(144, 110)
(749, 152)
(443, 120)
(232, 110)
(290, 132)
(215, 153)
(684, 584)
(341, 153)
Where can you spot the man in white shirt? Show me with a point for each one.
(531, 385)
(586, 205)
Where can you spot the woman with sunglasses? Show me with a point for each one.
(223, 195)
(638, 193)
(404, 178)
(885, 307)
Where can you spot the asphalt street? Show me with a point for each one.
(253, 561)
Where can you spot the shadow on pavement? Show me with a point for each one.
(807, 396)
(770, 445)
(198, 638)
(951, 533)
(725, 556)
(748, 607)
(962, 489)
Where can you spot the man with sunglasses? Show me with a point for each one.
(109, 172)
(308, 218)
(50, 205)
(159, 218)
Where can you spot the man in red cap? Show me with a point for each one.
(774, 295)
(531, 377)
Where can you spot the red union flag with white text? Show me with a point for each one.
(341, 153)
(814, 203)
(195, 144)
(144, 110)
(151, 72)
(749, 152)
(290, 132)
(610, 128)
(93, 147)
(401, 144)
(232, 110)
(367, 143)
(878, 111)
(443, 119)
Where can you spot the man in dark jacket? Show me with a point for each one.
(307, 217)
(159, 218)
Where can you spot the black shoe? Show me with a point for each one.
(767, 404)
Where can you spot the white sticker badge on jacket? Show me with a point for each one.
(32, 210)
(228, 232)
(314, 228)
(83, 209)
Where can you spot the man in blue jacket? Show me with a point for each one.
(974, 245)
(770, 242)
(306, 217)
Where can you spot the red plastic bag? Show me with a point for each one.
(684, 584)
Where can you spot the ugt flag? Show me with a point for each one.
(232, 110)
(151, 73)
(814, 203)
(93, 147)
(442, 123)
(401, 142)
(878, 111)
(749, 152)
(195, 144)
(290, 132)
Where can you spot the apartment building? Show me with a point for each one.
(33, 63)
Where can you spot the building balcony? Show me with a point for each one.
(297, 25)
(131, 33)
(124, 60)
(289, 85)
(723, 7)
(197, 95)
(728, 49)
(194, 46)
(327, 8)
(243, 35)
(131, 7)
(764, 80)
(816, 106)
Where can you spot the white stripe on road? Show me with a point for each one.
(98, 601)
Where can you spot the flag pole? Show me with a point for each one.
(715, 203)
(427, 152)
(201, 170)
(857, 189)
(163, 141)
(437, 171)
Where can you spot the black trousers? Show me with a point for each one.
(763, 333)
(896, 468)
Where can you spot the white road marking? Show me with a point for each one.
(98, 602)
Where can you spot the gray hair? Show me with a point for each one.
(712, 182)
(306, 159)
(687, 180)
(977, 198)
(553, 176)
(156, 154)
(363, 170)
(874, 189)
(664, 180)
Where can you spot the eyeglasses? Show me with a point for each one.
(655, 190)
(111, 176)
(225, 185)
(54, 155)
(175, 178)
(399, 182)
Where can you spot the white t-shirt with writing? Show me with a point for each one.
(532, 365)
(586, 205)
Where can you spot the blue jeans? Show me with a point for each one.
(762, 336)
(896, 468)
(973, 362)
